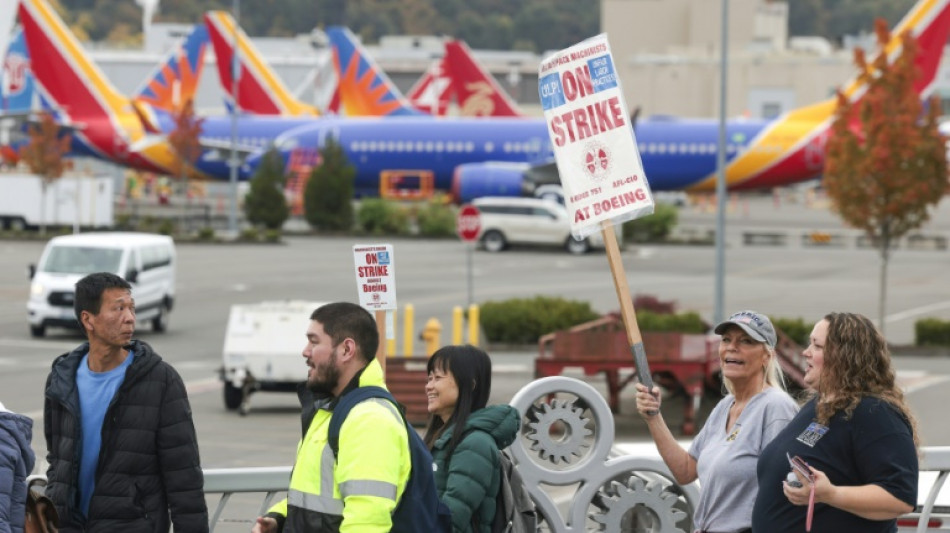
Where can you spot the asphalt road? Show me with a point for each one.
(785, 282)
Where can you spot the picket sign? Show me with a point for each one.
(597, 158)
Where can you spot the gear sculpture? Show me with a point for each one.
(568, 434)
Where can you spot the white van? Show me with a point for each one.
(145, 260)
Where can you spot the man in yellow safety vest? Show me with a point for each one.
(359, 489)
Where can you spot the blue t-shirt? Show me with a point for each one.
(96, 390)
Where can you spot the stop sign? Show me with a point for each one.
(468, 222)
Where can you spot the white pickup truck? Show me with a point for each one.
(262, 349)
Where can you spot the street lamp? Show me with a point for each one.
(235, 77)
(718, 314)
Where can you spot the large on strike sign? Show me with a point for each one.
(594, 145)
(375, 276)
(468, 223)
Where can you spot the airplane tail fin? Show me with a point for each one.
(476, 90)
(175, 80)
(433, 92)
(928, 22)
(17, 87)
(259, 88)
(365, 90)
(71, 80)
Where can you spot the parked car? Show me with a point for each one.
(145, 260)
(534, 221)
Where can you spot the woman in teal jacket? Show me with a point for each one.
(467, 469)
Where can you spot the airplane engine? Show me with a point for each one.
(492, 178)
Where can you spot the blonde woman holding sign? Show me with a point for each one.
(724, 454)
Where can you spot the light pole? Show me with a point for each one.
(235, 77)
(718, 314)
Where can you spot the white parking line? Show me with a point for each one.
(917, 311)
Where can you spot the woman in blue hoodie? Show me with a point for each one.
(16, 462)
(465, 435)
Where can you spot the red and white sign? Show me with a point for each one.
(375, 276)
(468, 223)
(592, 138)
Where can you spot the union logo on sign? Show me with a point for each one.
(596, 160)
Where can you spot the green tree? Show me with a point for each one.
(265, 204)
(886, 161)
(329, 192)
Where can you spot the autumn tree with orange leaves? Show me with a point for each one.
(184, 140)
(43, 155)
(886, 163)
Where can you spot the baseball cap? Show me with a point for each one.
(757, 325)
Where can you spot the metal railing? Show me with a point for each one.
(272, 480)
(566, 445)
(935, 459)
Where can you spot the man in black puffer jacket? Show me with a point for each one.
(122, 450)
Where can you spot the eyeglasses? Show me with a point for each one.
(800, 467)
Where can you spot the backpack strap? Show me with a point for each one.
(347, 402)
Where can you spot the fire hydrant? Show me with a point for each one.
(430, 335)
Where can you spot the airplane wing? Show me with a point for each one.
(224, 146)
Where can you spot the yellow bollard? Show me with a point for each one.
(473, 323)
(408, 326)
(456, 325)
(391, 342)
(430, 334)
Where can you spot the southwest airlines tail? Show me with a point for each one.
(365, 90)
(794, 144)
(106, 122)
(477, 92)
(433, 92)
(259, 89)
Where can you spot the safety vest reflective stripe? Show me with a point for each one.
(368, 487)
(315, 502)
(388, 405)
(327, 462)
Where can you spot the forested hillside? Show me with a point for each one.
(534, 25)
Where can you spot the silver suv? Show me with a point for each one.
(513, 220)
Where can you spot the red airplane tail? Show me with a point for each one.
(477, 92)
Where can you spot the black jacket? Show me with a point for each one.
(149, 466)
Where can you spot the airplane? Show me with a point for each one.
(104, 123)
(16, 82)
(261, 91)
(365, 90)
(498, 156)
(476, 91)
(433, 91)
(507, 156)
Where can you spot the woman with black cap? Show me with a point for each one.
(723, 455)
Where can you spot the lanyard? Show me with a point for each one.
(811, 506)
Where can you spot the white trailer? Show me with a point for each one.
(71, 200)
(263, 344)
